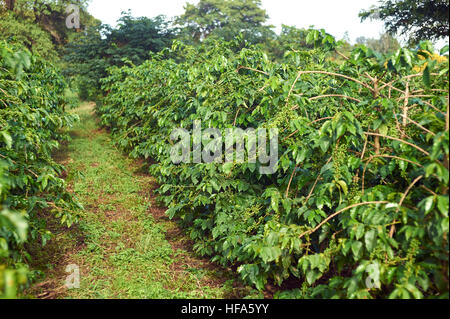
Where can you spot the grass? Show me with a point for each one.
(124, 245)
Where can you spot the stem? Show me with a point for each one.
(339, 75)
(290, 180)
(251, 69)
(387, 156)
(391, 232)
(405, 110)
(335, 95)
(399, 140)
(337, 213)
(417, 124)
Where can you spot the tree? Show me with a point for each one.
(225, 19)
(87, 59)
(134, 38)
(418, 19)
(290, 38)
(90, 55)
(40, 25)
(385, 44)
(10, 4)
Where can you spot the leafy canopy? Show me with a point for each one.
(91, 53)
(225, 19)
(418, 19)
(40, 25)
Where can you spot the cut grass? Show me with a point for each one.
(122, 250)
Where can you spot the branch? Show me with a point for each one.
(342, 55)
(339, 75)
(335, 95)
(391, 232)
(290, 180)
(387, 156)
(315, 183)
(399, 140)
(292, 87)
(337, 213)
(251, 69)
(420, 126)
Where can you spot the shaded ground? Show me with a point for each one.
(124, 245)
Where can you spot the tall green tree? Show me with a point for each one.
(134, 38)
(418, 19)
(90, 55)
(290, 38)
(225, 19)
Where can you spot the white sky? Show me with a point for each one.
(335, 16)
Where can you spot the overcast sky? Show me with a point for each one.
(335, 16)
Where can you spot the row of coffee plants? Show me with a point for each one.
(358, 207)
(32, 117)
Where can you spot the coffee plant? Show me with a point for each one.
(358, 207)
(32, 118)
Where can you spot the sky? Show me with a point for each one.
(335, 16)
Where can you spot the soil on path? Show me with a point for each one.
(123, 244)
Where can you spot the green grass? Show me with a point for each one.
(122, 251)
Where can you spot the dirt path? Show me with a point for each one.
(124, 245)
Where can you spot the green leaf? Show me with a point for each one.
(359, 231)
(370, 239)
(7, 138)
(426, 77)
(442, 204)
(428, 204)
(343, 186)
(408, 56)
(312, 276)
(324, 143)
(227, 168)
(357, 249)
(383, 129)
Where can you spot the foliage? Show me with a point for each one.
(420, 19)
(29, 34)
(360, 197)
(134, 38)
(225, 19)
(40, 25)
(50, 16)
(89, 55)
(31, 118)
(86, 61)
(386, 44)
(290, 38)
